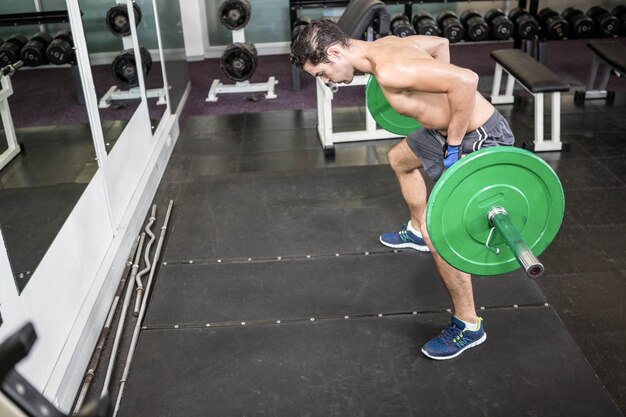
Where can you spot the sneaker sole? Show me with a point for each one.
(471, 345)
(405, 246)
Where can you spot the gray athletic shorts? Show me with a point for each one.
(428, 144)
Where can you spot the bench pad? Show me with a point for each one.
(531, 73)
(360, 14)
(613, 52)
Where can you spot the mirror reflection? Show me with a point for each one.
(153, 76)
(42, 106)
(110, 46)
(173, 44)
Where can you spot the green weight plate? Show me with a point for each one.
(512, 178)
(385, 116)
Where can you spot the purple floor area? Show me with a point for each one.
(47, 96)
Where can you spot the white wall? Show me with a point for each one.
(197, 42)
(195, 29)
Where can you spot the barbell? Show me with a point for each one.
(493, 210)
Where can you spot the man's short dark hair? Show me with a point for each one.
(313, 41)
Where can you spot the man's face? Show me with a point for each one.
(337, 70)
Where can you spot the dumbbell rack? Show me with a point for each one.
(217, 87)
(7, 121)
(116, 94)
(19, 19)
(134, 93)
(296, 6)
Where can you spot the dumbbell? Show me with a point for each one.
(298, 25)
(424, 24)
(235, 14)
(606, 24)
(552, 24)
(401, 26)
(146, 59)
(117, 20)
(34, 52)
(581, 25)
(620, 13)
(450, 26)
(476, 28)
(501, 27)
(526, 26)
(124, 67)
(11, 48)
(61, 50)
(239, 61)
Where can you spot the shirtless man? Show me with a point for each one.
(418, 81)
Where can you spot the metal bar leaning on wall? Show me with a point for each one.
(142, 312)
(104, 334)
(120, 324)
(146, 259)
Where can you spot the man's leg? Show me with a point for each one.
(406, 166)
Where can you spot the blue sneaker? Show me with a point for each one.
(454, 340)
(404, 239)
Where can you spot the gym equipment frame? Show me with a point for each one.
(14, 147)
(116, 94)
(217, 87)
(325, 131)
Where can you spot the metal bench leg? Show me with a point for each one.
(496, 97)
(600, 92)
(324, 114)
(554, 144)
(497, 79)
(555, 135)
(510, 83)
(604, 81)
(593, 73)
(538, 120)
(295, 78)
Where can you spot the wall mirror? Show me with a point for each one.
(113, 65)
(173, 46)
(40, 186)
(147, 30)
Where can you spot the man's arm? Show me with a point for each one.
(435, 46)
(461, 99)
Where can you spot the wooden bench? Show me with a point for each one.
(538, 80)
(611, 54)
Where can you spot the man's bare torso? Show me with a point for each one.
(432, 110)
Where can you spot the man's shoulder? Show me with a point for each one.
(390, 66)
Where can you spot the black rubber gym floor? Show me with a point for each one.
(365, 367)
(275, 297)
